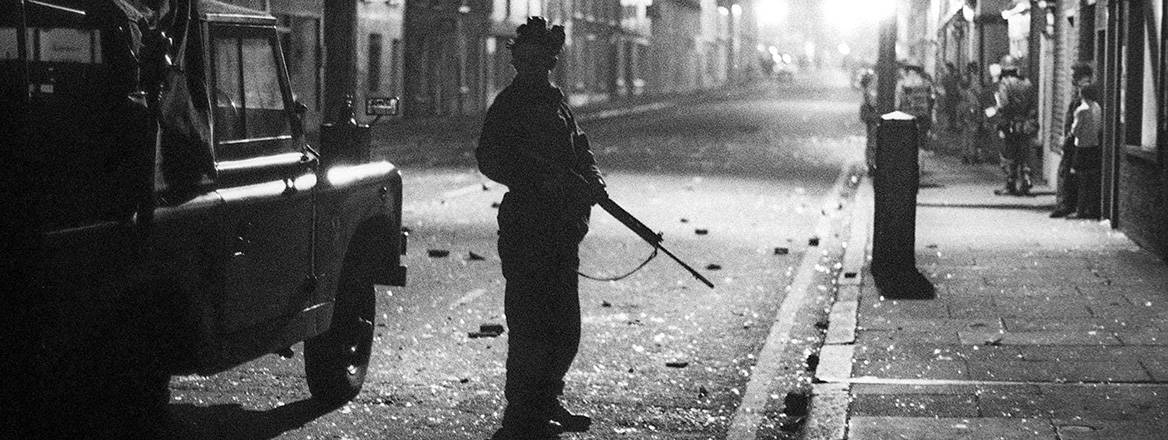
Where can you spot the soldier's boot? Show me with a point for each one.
(1010, 189)
(1024, 188)
(570, 422)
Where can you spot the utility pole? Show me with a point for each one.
(886, 70)
(340, 48)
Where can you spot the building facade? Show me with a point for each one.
(1125, 42)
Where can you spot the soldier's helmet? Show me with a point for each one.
(536, 42)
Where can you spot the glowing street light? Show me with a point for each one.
(851, 14)
(771, 12)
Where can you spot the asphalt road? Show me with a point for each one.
(662, 356)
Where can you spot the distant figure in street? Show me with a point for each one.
(972, 121)
(1088, 156)
(951, 96)
(1082, 75)
(529, 140)
(870, 116)
(1018, 125)
(916, 96)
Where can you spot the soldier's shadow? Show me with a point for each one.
(232, 421)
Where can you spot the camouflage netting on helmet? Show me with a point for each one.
(536, 31)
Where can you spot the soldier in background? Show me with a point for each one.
(916, 96)
(870, 116)
(528, 140)
(1018, 125)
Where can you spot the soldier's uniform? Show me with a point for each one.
(915, 95)
(542, 219)
(1019, 125)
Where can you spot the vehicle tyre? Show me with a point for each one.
(335, 362)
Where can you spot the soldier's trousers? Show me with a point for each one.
(1017, 154)
(542, 305)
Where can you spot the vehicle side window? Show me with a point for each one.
(249, 103)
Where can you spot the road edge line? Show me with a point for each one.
(827, 418)
(750, 412)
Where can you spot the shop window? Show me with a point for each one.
(1144, 77)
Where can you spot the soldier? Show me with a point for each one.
(916, 96)
(870, 116)
(529, 140)
(1018, 126)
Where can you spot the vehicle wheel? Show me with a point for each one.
(335, 361)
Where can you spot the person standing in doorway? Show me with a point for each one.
(530, 142)
(1088, 154)
(1082, 75)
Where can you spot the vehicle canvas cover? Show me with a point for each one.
(95, 93)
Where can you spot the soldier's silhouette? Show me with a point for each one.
(529, 140)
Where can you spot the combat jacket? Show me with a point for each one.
(528, 138)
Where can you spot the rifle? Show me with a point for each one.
(620, 214)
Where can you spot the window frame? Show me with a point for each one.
(1139, 42)
(258, 146)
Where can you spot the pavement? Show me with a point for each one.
(1041, 329)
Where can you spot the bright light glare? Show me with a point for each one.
(849, 14)
(844, 49)
(771, 12)
(736, 9)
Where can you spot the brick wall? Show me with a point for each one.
(1143, 203)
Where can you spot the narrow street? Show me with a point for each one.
(739, 185)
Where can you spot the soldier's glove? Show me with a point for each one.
(592, 190)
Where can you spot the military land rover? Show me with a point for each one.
(178, 221)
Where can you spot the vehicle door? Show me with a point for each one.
(265, 177)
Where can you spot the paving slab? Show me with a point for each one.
(1058, 371)
(915, 405)
(949, 428)
(1088, 429)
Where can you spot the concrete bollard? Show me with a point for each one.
(895, 182)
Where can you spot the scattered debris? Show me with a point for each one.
(437, 253)
(701, 231)
(703, 392)
(814, 241)
(713, 266)
(465, 379)
(474, 257)
(677, 364)
(849, 274)
(486, 188)
(685, 220)
(782, 251)
(605, 304)
(495, 205)
(487, 331)
(931, 246)
(812, 362)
